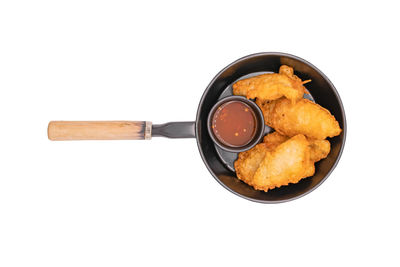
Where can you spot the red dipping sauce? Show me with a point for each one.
(234, 124)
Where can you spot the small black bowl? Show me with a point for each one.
(259, 131)
(220, 163)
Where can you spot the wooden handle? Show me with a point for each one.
(99, 130)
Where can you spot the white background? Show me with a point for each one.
(154, 203)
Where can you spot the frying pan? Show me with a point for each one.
(217, 160)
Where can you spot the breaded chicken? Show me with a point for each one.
(288, 163)
(319, 148)
(272, 86)
(274, 139)
(280, 160)
(303, 117)
(248, 162)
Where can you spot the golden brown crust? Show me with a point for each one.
(288, 163)
(319, 149)
(304, 117)
(271, 86)
(274, 139)
(247, 163)
(280, 160)
(288, 154)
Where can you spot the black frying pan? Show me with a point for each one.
(219, 161)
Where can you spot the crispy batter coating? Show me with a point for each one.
(247, 163)
(274, 139)
(303, 117)
(288, 163)
(280, 160)
(319, 148)
(272, 86)
(288, 154)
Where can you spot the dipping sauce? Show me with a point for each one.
(234, 123)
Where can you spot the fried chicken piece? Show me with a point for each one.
(319, 148)
(274, 139)
(248, 162)
(303, 117)
(272, 86)
(288, 163)
(280, 160)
